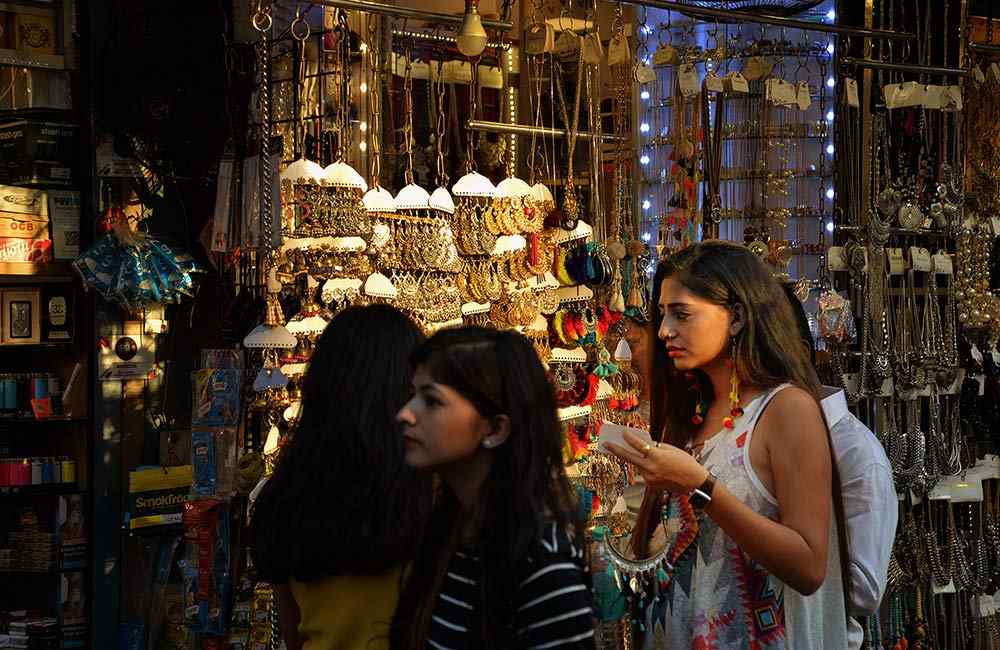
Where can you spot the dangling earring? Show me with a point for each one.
(734, 392)
(699, 408)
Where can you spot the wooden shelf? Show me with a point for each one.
(25, 60)
(47, 489)
(31, 272)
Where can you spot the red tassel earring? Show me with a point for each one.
(734, 392)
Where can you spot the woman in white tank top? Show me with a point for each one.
(742, 480)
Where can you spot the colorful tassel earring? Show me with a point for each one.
(734, 393)
(699, 407)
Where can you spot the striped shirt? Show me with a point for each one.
(553, 608)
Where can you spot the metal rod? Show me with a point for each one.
(436, 38)
(904, 67)
(406, 12)
(779, 21)
(984, 48)
(527, 129)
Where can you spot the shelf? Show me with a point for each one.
(45, 572)
(49, 489)
(25, 60)
(52, 420)
(31, 272)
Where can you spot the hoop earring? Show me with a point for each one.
(734, 391)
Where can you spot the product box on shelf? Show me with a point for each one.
(38, 140)
(72, 612)
(71, 532)
(57, 313)
(64, 218)
(157, 495)
(24, 225)
(34, 34)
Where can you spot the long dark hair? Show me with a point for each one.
(769, 352)
(341, 499)
(500, 374)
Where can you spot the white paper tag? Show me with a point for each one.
(888, 388)
(966, 490)
(835, 259)
(618, 51)
(982, 384)
(911, 93)
(933, 96)
(567, 43)
(995, 355)
(915, 498)
(223, 203)
(737, 83)
(983, 606)
(977, 74)
(645, 74)
(943, 264)
(713, 82)
(952, 99)
(995, 71)
(539, 38)
(890, 94)
(956, 386)
(687, 78)
(852, 92)
(665, 55)
(995, 225)
(976, 354)
(947, 589)
(593, 50)
(920, 259)
(897, 263)
(803, 95)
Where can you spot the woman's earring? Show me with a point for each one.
(734, 391)
(699, 409)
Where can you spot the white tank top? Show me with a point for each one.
(717, 596)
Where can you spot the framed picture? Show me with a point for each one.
(21, 318)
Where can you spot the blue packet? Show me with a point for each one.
(203, 462)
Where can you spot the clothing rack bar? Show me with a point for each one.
(768, 19)
(904, 67)
(983, 48)
(527, 129)
(407, 12)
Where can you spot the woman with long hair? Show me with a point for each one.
(741, 476)
(342, 513)
(501, 565)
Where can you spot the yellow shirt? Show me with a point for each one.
(347, 612)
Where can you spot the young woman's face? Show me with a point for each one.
(440, 427)
(695, 331)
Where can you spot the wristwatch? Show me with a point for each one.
(701, 496)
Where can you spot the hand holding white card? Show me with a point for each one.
(615, 433)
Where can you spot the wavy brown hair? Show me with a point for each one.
(769, 352)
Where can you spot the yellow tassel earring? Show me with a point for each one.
(734, 391)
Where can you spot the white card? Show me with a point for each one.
(933, 97)
(737, 83)
(687, 77)
(852, 93)
(713, 82)
(611, 432)
(803, 95)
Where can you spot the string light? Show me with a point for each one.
(363, 126)
(829, 116)
(829, 149)
(644, 160)
(646, 204)
(646, 236)
(829, 48)
(364, 87)
(644, 127)
(831, 82)
(830, 194)
(363, 146)
(644, 94)
(831, 15)
(829, 226)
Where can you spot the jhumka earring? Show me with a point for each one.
(734, 392)
(699, 406)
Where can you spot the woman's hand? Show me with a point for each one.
(663, 466)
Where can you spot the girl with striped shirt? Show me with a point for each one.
(502, 564)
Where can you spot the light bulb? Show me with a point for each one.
(829, 48)
(829, 226)
(644, 94)
(829, 194)
(831, 15)
(644, 160)
(363, 145)
(831, 82)
(829, 116)
(829, 149)
(364, 87)
(646, 204)
(472, 36)
(644, 127)
(363, 126)
(646, 236)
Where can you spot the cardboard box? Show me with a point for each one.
(24, 225)
(35, 34)
(39, 141)
(64, 224)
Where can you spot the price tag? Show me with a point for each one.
(916, 499)
(890, 93)
(977, 74)
(943, 264)
(665, 55)
(995, 225)
(976, 354)
(941, 491)
(897, 263)
(852, 92)
(982, 384)
(593, 51)
(618, 51)
(947, 589)
(995, 356)
(910, 93)
(645, 74)
(803, 95)
(835, 259)
(920, 259)
(737, 83)
(995, 71)
(953, 99)
(956, 386)
(567, 43)
(966, 490)
(933, 97)
(983, 606)
(888, 388)
(713, 82)
(687, 78)
(539, 38)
